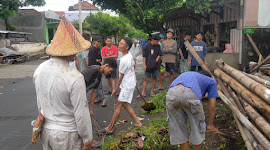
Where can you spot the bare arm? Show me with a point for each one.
(181, 54)
(157, 58)
(77, 64)
(118, 84)
(84, 63)
(144, 63)
(92, 100)
(114, 56)
(212, 113)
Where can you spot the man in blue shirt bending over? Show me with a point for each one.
(184, 101)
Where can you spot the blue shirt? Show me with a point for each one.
(143, 42)
(200, 84)
(201, 49)
(81, 56)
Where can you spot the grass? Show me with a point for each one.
(160, 102)
(156, 133)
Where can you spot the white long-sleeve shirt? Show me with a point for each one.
(61, 96)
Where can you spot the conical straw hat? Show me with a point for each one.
(67, 41)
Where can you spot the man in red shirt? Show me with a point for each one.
(110, 51)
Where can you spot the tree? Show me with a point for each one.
(149, 15)
(9, 8)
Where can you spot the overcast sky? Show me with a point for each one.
(58, 5)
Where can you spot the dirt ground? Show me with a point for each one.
(225, 123)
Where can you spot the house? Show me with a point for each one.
(73, 13)
(42, 25)
(228, 22)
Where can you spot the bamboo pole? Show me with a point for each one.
(259, 65)
(249, 83)
(198, 58)
(254, 46)
(229, 96)
(257, 134)
(260, 80)
(251, 98)
(243, 134)
(258, 120)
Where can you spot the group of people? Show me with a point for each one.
(186, 91)
(61, 89)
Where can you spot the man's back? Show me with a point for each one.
(58, 89)
(200, 84)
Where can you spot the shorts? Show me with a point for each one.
(183, 103)
(151, 74)
(56, 139)
(112, 75)
(126, 95)
(170, 67)
(162, 67)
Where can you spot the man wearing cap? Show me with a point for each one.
(61, 96)
(94, 58)
(151, 56)
(169, 49)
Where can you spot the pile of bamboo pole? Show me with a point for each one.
(248, 96)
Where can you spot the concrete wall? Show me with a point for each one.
(29, 47)
(230, 59)
(33, 24)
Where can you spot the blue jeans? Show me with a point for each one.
(184, 67)
(100, 94)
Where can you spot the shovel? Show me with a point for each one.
(146, 106)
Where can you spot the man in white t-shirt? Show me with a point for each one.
(127, 83)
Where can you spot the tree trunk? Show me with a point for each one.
(7, 27)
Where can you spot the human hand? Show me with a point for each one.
(170, 49)
(144, 67)
(182, 58)
(212, 129)
(189, 63)
(114, 93)
(91, 114)
(206, 63)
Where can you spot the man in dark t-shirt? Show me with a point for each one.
(183, 50)
(151, 56)
(94, 55)
(92, 76)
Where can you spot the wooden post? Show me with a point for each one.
(260, 64)
(252, 85)
(257, 134)
(254, 46)
(251, 98)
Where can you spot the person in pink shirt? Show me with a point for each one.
(110, 51)
(228, 48)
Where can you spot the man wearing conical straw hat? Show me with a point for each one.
(61, 96)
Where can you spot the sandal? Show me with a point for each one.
(96, 145)
(108, 93)
(158, 89)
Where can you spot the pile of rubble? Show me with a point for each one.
(8, 55)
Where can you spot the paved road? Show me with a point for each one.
(18, 105)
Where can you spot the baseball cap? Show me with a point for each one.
(155, 37)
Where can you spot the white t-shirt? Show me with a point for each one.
(127, 68)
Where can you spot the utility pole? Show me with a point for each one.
(80, 15)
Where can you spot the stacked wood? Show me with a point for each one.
(248, 96)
